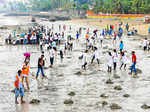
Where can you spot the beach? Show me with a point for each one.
(90, 87)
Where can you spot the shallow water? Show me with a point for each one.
(62, 80)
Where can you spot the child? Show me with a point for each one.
(19, 88)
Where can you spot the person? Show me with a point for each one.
(101, 39)
(110, 62)
(114, 56)
(95, 55)
(41, 64)
(61, 55)
(127, 27)
(133, 63)
(27, 56)
(114, 39)
(25, 72)
(84, 60)
(149, 46)
(145, 44)
(87, 37)
(123, 60)
(121, 46)
(120, 33)
(41, 45)
(77, 35)
(52, 53)
(19, 87)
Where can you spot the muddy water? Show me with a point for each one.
(62, 79)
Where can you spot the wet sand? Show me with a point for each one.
(62, 79)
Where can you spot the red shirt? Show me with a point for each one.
(133, 58)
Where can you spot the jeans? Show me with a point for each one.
(51, 60)
(42, 71)
(25, 41)
(133, 67)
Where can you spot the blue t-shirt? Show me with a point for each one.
(54, 44)
(149, 30)
(77, 35)
(121, 46)
(20, 83)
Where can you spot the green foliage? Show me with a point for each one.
(104, 6)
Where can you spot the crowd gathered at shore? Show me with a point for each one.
(50, 40)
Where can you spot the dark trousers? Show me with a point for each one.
(51, 60)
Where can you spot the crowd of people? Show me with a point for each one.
(50, 40)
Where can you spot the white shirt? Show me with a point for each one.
(115, 57)
(96, 53)
(145, 43)
(84, 60)
(101, 37)
(26, 37)
(52, 53)
(110, 61)
(124, 59)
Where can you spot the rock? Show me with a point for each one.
(71, 94)
(70, 102)
(68, 57)
(116, 76)
(106, 47)
(34, 101)
(110, 49)
(145, 106)
(126, 95)
(78, 73)
(104, 103)
(109, 81)
(118, 88)
(138, 71)
(3, 27)
(115, 106)
(135, 76)
(103, 95)
(104, 52)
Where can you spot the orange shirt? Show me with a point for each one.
(25, 69)
(86, 36)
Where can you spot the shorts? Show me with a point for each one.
(145, 48)
(19, 91)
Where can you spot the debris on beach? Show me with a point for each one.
(118, 88)
(78, 73)
(68, 102)
(126, 95)
(104, 95)
(34, 101)
(71, 94)
(109, 81)
(115, 106)
(104, 103)
(145, 106)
